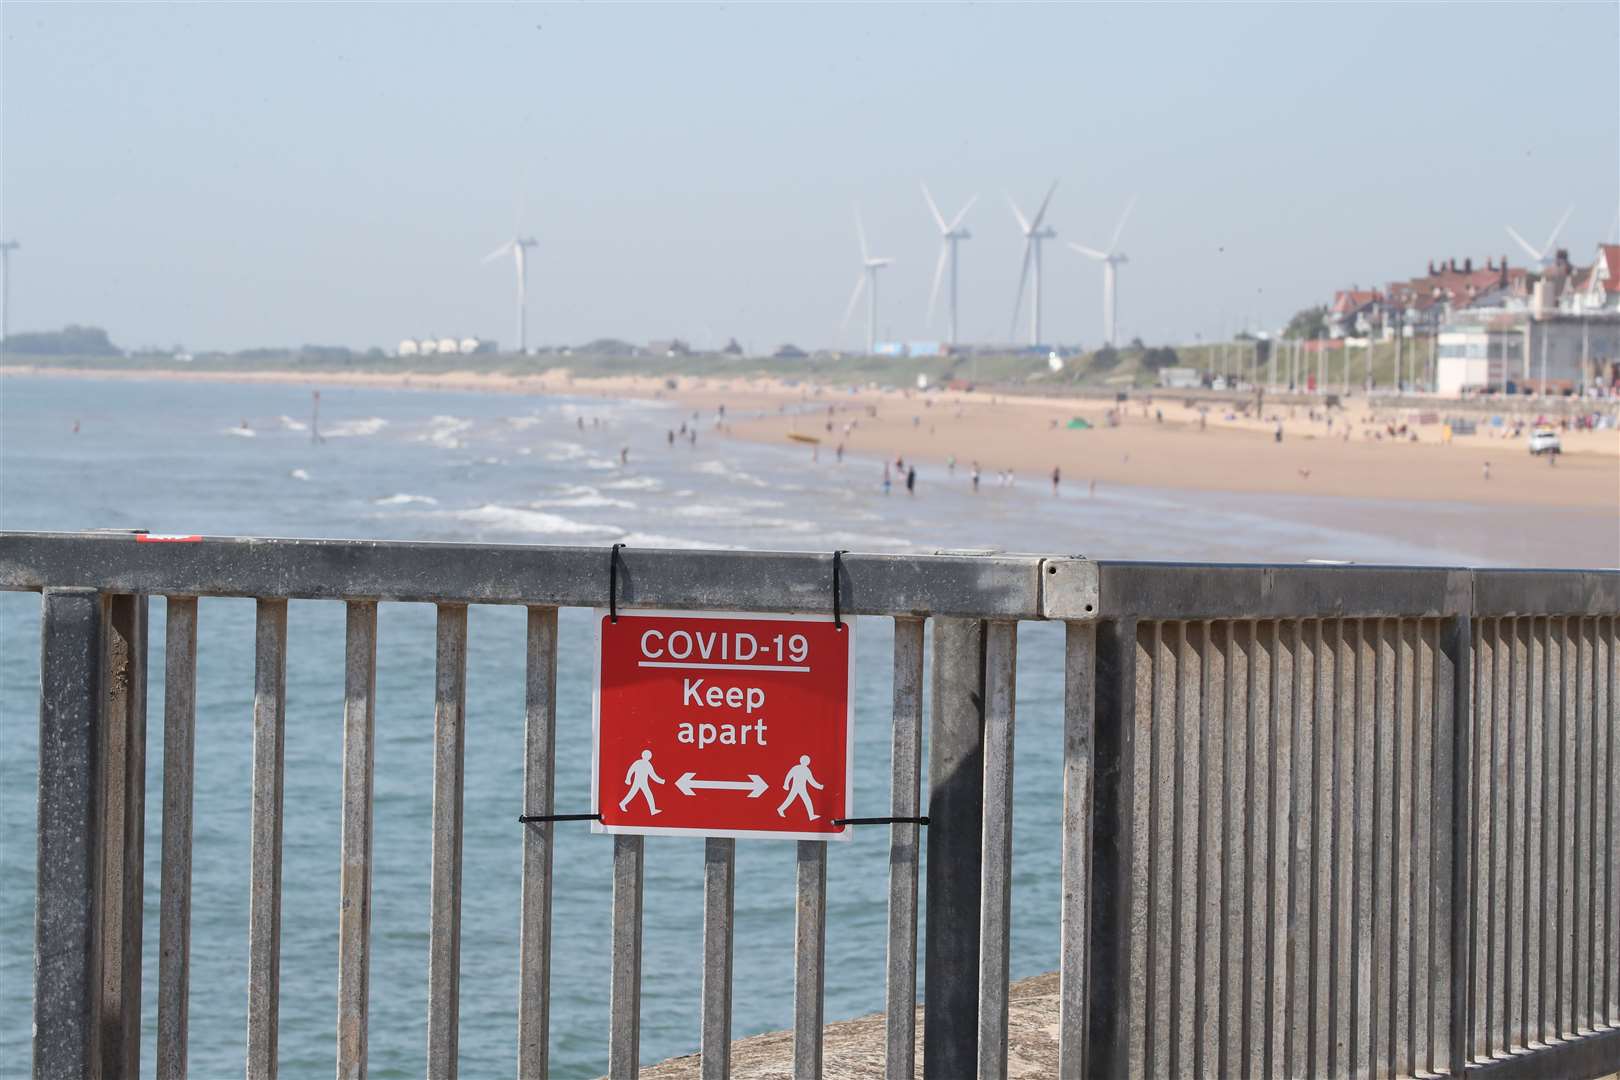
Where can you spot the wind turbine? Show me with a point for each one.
(1110, 259)
(516, 246)
(1545, 255)
(1034, 233)
(868, 280)
(949, 236)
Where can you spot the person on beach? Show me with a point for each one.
(1057, 476)
(840, 453)
(624, 455)
(911, 480)
(671, 436)
(950, 465)
(1487, 471)
(887, 481)
(975, 475)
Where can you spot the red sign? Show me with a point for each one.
(722, 724)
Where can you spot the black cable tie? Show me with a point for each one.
(613, 583)
(838, 609)
(842, 821)
(530, 819)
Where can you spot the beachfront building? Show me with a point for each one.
(1529, 351)
(1353, 312)
(1595, 289)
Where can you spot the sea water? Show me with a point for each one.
(218, 458)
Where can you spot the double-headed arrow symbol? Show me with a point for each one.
(755, 785)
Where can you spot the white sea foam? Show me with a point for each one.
(590, 501)
(736, 476)
(565, 451)
(519, 520)
(353, 428)
(443, 431)
(634, 483)
(240, 432)
(299, 474)
(406, 499)
(293, 425)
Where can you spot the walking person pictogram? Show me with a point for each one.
(794, 783)
(641, 770)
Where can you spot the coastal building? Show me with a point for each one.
(1529, 351)
(1352, 312)
(1596, 288)
(408, 347)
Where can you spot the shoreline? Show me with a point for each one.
(1164, 442)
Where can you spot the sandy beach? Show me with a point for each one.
(1162, 441)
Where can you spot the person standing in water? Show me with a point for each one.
(975, 476)
(1057, 477)
(887, 482)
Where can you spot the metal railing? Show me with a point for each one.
(1327, 821)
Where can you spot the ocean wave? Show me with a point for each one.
(239, 432)
(442, 431)
(634, 483)
(299, 474)
(406, 499)
(292, 425)
(721, 469)
(566, 451)
(592, 501)
(519, 520)
(353, 428)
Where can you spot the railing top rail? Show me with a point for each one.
(994, 586)
(990, 586)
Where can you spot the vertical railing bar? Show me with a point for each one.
(1209, 840)
(1279, 766)
(355, 843)
(1299, 1020)
(1507, 743)
(1184, 722)
(904, 851)
(449, 759)
(624, 990)
(1234, 751)
(1321, 887)
(1493, 708)
(1257, 913)
(179, 740)
(1604, 809)
(539, 776)
(1568, 764)
(264, 905)
(1534, 696)
(809, 958)
(1363, 1015)
(1403, 754)
(1155, 912)
(1610, 709)
(1079, 699)
(1341, 923)
(995, 903)
(719, 876)
(1581, 851)
(1427, 1044)
(1383, 1000)
(1454, 693)
(1547, 882)
(67, 964)
(123, 831)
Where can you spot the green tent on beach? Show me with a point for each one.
(1077, 423)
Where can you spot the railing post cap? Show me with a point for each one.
(1069, 589)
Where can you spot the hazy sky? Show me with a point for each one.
(229, 176)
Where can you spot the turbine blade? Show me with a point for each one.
(1535, 255)
(1090, 252)
(860, 231)
(1558, 228)
(933, 208)
(1040, 215)
(1023, 276)
(962, 213)
(860, 286)
(1023, 222)
(939, 275)
(498, 252)
(1114, 243)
